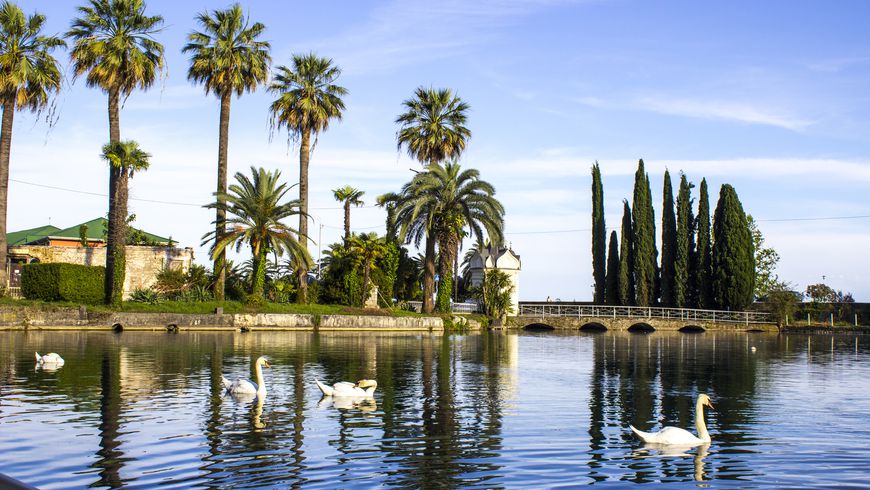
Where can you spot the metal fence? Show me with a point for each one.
(15, 293)
(456, 307)
(640, 312)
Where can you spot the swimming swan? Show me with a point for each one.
(50, 359)
(363, 387)
(677, 436)
(244, 386)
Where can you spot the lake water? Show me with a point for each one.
(512, 410)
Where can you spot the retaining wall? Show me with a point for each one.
(81, 319)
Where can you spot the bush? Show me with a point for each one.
(63, 282)
(149, 296)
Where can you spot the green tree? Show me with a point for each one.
(494, 294)
(612, 289)
(227, 58)
(685, 260)
(308, 99)
(669, 244)
(348, 196)
(432, 129)
(114, 45)
(599, 236)
(460, 199)
(766, 259)
(626, 258)
(29, 78)
(368, 248)
(733, 254)
(127, 158)
(782, 302)
(255, 211)
(704, 271)
(645, 251)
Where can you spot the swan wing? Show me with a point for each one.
(326, 390)
(241, 386)
(668, 435)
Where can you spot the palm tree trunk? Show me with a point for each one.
(119, 253)
(115, 220)
(429, 274)
(258, 277)
(5, 146)
(366, 266)
(445, 280)
(302, 269)
(220, 225)
(346, 220)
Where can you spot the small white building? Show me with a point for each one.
(503, 259)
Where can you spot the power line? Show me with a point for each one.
(536, 232)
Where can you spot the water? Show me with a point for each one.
(491, 410)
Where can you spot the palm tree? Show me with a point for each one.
(412, 216)
(255, 212)
(461, 200)
(126, 158)
(348, 195)
(308, 99)
(115, 47)
(227, 58)
(432, 129)
(367, 248)
(29, 75)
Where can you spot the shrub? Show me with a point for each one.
(63, 282)
(149, 296)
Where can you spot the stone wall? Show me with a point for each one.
(143, 263)
(82, 319)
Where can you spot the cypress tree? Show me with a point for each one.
(599, 236)
(669, 243)
(645, 252)
(684, 264)
(626, 258)
(704, 271)
(733, 253)
(612, 289)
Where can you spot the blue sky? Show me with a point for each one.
(770, 97)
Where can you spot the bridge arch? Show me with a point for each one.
(593, 327)
(693, 329)
(641, 327)
(539, 327)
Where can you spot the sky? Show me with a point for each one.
(770, 97)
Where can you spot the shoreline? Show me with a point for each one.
(68, 318)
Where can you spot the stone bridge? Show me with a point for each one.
(546, 316)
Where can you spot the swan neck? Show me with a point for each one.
(700, 425)
(261, 387)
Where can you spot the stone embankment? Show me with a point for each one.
(82, 319)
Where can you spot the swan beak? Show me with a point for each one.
(710, 404)
(266, 363)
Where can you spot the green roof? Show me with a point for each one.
(96, 231)
(31, 235)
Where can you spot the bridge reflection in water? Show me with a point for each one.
(637, 318)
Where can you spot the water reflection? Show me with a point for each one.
(494, 410)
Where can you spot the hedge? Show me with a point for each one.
(63, 282)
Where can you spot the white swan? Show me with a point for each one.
(681, 437)
(50, 359)
(363, 388)
(244, 386)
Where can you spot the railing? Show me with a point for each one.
(15, 293)
(456, 307)
(684, 314)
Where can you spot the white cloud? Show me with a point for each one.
(720, 109)
(702, 108)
